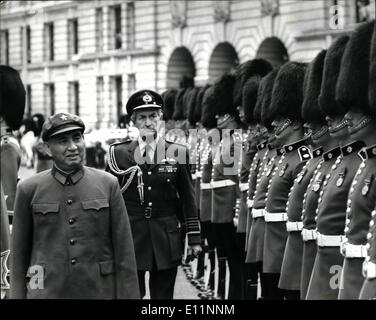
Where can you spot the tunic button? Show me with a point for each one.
(73, 261)
(150, 204)
(71, 220)
(168, 180)
(149, 188)
(69, 201)
(149, 173)
(72, 241)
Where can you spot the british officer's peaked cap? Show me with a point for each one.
(144, 99)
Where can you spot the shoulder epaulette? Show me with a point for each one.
(121, 142)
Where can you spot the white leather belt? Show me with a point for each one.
(256, 213)
(309, 234)
(369, 269)
(194, 176)
(205, 186)
(249, 203)
(222, 183)
(275, 217)
(329, 240)
(198, 174)
(243, 186)
(349, 250)
(294, 226)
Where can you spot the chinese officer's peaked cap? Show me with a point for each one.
(144, 99)
(61, 123)
(352, 84)
(12, 97)
(311, 112)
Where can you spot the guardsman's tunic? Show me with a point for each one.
(10, 163)
(256, 236)
(156, 195)
(292, 260)
(254, 175)
(331, 219)
(5, 246)
(275, 236)
(361, 202)
(310, 203)
(71, 238)
(368, 290)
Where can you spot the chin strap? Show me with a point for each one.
(122, 173)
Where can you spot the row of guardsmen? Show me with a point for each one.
(285, 175)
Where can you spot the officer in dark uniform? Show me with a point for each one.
(268, 156)
(12, 101)
(315, 121)
(331, 151)
(248, 74)
(155, 180)
(362, 196)
(71, 236)
(331, 211)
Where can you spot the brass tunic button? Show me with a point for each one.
(150, 204)
(73, 261)
(149, 188)
(149, 173)
(72, 241)
(71, 220)
(70, 201)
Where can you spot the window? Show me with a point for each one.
(28, 44)
(117, 31)
(49, 41)
(100, 102)
(131, 83)
(49, 98)
(119, 91)
(4, 47)
(28, 100)
(72, 37)
(99, 29)
(74, 97)
(130, 25)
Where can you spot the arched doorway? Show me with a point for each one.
(273, 50)
(180, 65)
(223, 59)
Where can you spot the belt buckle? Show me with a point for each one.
(147, 214)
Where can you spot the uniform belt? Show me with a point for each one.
(294, 226)
(194, 176)
(275, 217)
(369, 269)
(349, 250)
(222, 183)
(205, 186)
(256, 213)
(243, 186)
(249, 203)
(309, 234)
(198, 174)
(329, 240)
(149, 212)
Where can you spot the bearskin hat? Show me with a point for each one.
(311, 112)
(372, 76)
(208, 118)
(246, 70)
(249, 97)
(287, 95)
(222, 94)
(169, 97)
(179, 113)
(191, 104)
(332, 66)
(352, 84)
(264, 101)
(196, 115)
(12, 97)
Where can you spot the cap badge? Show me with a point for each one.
(146, 98)
(63, 117)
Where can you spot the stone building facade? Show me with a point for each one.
(87, 57)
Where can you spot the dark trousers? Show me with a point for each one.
(271, 290)
(207, 233)
(161, 283)
(292, 294)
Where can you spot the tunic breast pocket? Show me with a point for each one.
(46, 209)
(96, 206)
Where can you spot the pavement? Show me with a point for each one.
(183, 288)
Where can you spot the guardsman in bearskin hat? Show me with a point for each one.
(248, 74)
(12, 110)
(315, 122)
(156, 183)
(285, 109)
(263, 167)
(368, 290)
(332, 204)
(362, 127)
(331, 151)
